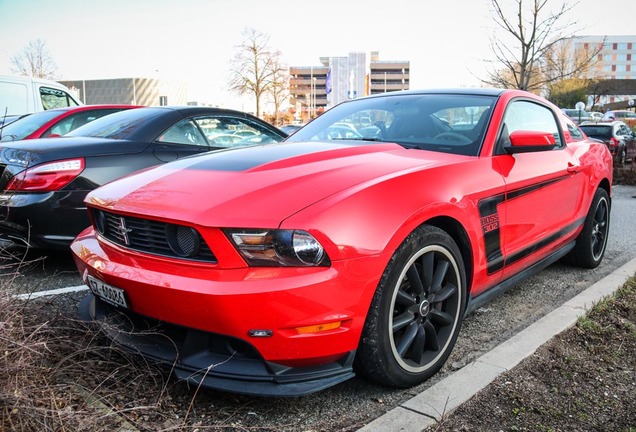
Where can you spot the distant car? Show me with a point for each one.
(44, 181)
(578, 116)
(284, 269)
(618, 137)
(624, 114)
(596, 116)
(57, 121)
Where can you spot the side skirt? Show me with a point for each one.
(475, 303)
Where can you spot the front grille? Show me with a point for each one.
(150, 236)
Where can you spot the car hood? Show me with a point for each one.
(259, 186)
(36, 151)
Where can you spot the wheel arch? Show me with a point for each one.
(460, 236)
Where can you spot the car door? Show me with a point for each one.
(543, 189)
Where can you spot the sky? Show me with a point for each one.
(446, 42)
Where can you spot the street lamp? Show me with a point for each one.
(313, 92)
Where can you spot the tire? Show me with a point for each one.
(416, 312)
(621, 158)
(591, 242)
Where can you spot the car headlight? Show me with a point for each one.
(275, 247)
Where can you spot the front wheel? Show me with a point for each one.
(591, 242)
(417, 311)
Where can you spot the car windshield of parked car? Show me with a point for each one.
(119, 125)
(449, 123)
(25, 126)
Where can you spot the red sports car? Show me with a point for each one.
(56, 122)
(285, 269)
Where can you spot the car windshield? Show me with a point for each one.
(119, 125)
(449, 123)
(25, 126)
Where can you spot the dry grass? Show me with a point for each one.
(58, 374)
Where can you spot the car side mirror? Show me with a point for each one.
(523, 141)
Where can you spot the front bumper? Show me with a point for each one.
(212, 360)
(202, 317)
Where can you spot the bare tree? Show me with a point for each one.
(255, 67)
(35, 61)
(527, 64)
(279, 88)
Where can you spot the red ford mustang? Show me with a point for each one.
(284, 269)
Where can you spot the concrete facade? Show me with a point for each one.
(134, 91)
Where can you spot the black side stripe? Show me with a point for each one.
(491, 227)
(546, 241)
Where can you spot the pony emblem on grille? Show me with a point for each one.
(124, 231)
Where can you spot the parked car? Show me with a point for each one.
(618, 137)
(578, 116)
(626, 116)
(56, 122)
(44, 181)
(285, 269)
(25, 95)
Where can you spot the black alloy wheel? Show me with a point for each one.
(591, 242)
(417, 311)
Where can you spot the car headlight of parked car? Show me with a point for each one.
(278, 247)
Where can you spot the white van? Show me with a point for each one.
(26, 95)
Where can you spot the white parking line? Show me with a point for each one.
(37, 294)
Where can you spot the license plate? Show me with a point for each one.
(108, 293)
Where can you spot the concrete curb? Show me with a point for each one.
(427, 408)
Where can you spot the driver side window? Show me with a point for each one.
(528, 116)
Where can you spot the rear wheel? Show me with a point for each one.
(416, 312)
(591, 242)
(621, 158)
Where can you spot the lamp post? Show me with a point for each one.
(313, 92)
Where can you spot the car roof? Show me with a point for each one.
(92, 107)
(602, 123)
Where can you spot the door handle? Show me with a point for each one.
(572, 168)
